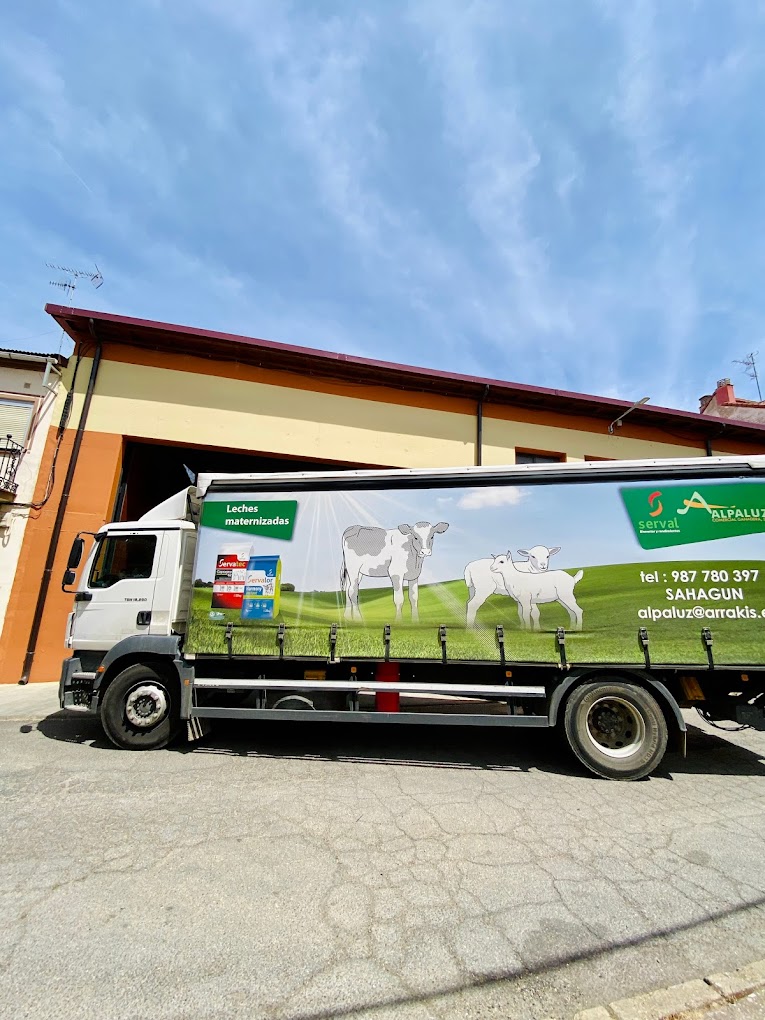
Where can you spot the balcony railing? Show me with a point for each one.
(10, 452)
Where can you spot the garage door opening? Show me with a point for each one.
(151, 472)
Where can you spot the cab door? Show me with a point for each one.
(116, 595)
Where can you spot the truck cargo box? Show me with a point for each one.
(418, 565)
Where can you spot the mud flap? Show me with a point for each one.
(196, 729)
(680, 742)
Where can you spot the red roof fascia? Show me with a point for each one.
(61, 311)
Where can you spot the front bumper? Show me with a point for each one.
(77, 689)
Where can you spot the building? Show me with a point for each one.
(724, 403)
(151, 404)
(28, 385)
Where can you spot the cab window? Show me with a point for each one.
(122, 557)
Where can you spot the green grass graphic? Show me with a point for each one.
(610, 597)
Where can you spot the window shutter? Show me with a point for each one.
(15, 418)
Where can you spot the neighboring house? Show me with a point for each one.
(724, 403)
(28, 386)
(148, 405)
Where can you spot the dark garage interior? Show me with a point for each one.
(151, 472)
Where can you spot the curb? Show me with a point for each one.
(28, 703)
(690, 1000)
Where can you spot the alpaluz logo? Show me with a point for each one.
(697, 502)
(739, 506)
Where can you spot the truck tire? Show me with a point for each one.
(140, 710)
(616, 729)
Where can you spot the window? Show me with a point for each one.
(119, 558)
(529, 457)
(15, 418)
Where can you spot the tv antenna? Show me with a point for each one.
(749, 364)
(69, 285)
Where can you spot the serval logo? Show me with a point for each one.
(654, 498)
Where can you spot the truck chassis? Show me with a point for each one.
(616, 719)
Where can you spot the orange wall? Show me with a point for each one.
(89, 507)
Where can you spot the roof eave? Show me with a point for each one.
(268, 353)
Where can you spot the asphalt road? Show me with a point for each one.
(311, 872)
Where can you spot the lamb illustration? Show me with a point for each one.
(501, 575)
(537, 559)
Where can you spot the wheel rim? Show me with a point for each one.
(146, 705)
(615, 727)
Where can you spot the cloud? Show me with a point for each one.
(544, 196)
(313, 71)
(497, 154)
(480, 499)
(643, 111)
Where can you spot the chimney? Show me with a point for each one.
(724, 393)
(703, 402)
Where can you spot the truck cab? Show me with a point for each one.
(134, 590)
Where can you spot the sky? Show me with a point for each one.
(563, 193)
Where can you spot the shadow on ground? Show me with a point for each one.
(455, 747)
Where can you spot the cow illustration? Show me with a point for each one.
(397, 554)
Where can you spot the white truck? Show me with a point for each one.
(599, 598)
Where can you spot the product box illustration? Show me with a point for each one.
(261, 588)
(228, 587)
(600, 559)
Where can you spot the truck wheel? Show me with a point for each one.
(616, 729)
(140, 710)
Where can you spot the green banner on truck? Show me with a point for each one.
(682, 514)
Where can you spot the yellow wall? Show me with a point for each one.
(501, 438)
(143, 401)
(139, 401)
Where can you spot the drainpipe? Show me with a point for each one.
(479, 428)
(720, 432)
(60, 514)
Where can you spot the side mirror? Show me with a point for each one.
(69, 578)
(75, 555)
